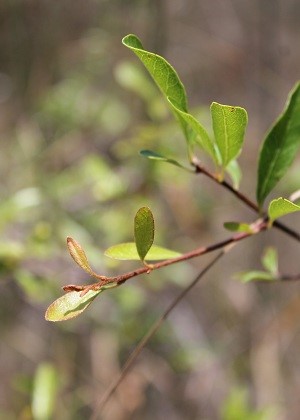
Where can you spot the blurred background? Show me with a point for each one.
(76, 108)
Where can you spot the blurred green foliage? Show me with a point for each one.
(236, 407)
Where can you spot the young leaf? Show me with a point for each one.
(72, 304)
(128, 251)
(270, 260)
(78, 255)
(234, 171)
(238, 227)
(280, 207)
(280, 147)
(143, 231)
(156, 156)
(229, 125)
(255, 275)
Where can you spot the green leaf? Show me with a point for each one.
(128, 251)
(229, 125)
(44, 392)
(280, 147)
(78, 255)
(164, 76)
(270, 260)
(235, 173)
(143, 231)
(172, 88)
(162, 72)
(280, 207)
(238, 227)
(255, 275)
(71, 304)
(156, 156)
(196, 135)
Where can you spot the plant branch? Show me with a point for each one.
(199, 169)
(258, 226)
(138, 349)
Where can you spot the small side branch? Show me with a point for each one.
(258, 226)
(200, 169)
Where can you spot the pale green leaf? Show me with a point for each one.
(128, 251)
(78, 255)
(280, 207)
(238, 227)
(156, 156)
(270, 260)
(280, 147)
(255, 276)
(235, 173)
(229, 125)
(159, 253)
(70, 305)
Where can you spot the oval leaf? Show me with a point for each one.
(78, 255)
(128, 251)
(280, 147)
(229, 125)
(143, 231)
(280, 207)
(70, 305)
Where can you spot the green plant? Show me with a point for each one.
(229, 123)
(219, 152)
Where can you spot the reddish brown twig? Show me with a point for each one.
(200, 169)
(258, 226)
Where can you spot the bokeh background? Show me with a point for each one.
(76, 107)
